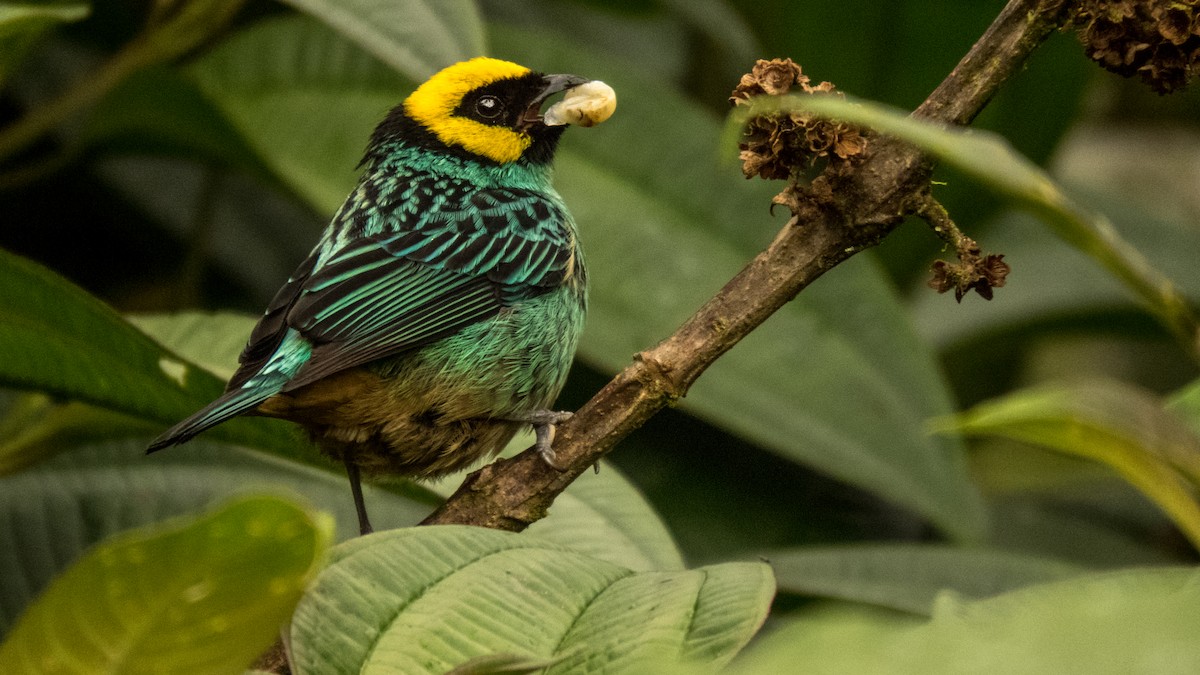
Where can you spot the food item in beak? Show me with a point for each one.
(586, 105)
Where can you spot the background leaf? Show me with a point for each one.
(604, 516)
(908, 577)
(306, 107)
(211, 340)
(50, 514)
(206, 595)
(1135, 621)
(35, 426)
(1106, 422)
(22, 23)
(415, 37)
(85, 351)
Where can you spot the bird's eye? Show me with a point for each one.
(489, 107)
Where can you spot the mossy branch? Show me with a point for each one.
(846, 213)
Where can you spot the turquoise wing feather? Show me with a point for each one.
(390, 292)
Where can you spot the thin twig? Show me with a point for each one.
(862, 208)
(938, 218)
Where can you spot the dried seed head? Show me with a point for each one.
(1156, 40)
(777, 76)
(782, 145)
(970, 273)
(772, 77)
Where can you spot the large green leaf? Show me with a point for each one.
(604, 516)
(1108, 422)
(908, 577)
(58, 339)
(51, 513)
(837, 380)
(1135, 621)
(427, 600)
(204, 595)
(415, 37)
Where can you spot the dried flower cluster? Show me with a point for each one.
(1157, 40)
(778, 144)
(971, 272)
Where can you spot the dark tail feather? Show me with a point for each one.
(233, 403)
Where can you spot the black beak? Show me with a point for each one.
(552, 84)
(557, 83)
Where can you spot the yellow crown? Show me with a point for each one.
(432, 105)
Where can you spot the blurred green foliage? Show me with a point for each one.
(199, 181)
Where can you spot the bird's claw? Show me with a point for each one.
(544, 422)
(544, 444)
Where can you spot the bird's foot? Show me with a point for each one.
(544, 422)
(542, 417)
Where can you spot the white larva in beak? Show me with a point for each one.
(586, 105)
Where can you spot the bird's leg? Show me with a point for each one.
(543, 422)
(352, 471)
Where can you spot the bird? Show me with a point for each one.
(440, 310)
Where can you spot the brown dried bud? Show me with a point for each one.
(818, 138)
(772, 77)
(823, 88)
(777, 75)
(781, 145)
(1157, 40)
(970, 273)
(747, 87)
(848, 142)
(945, 277)
(1175, 24)
(995, 270)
